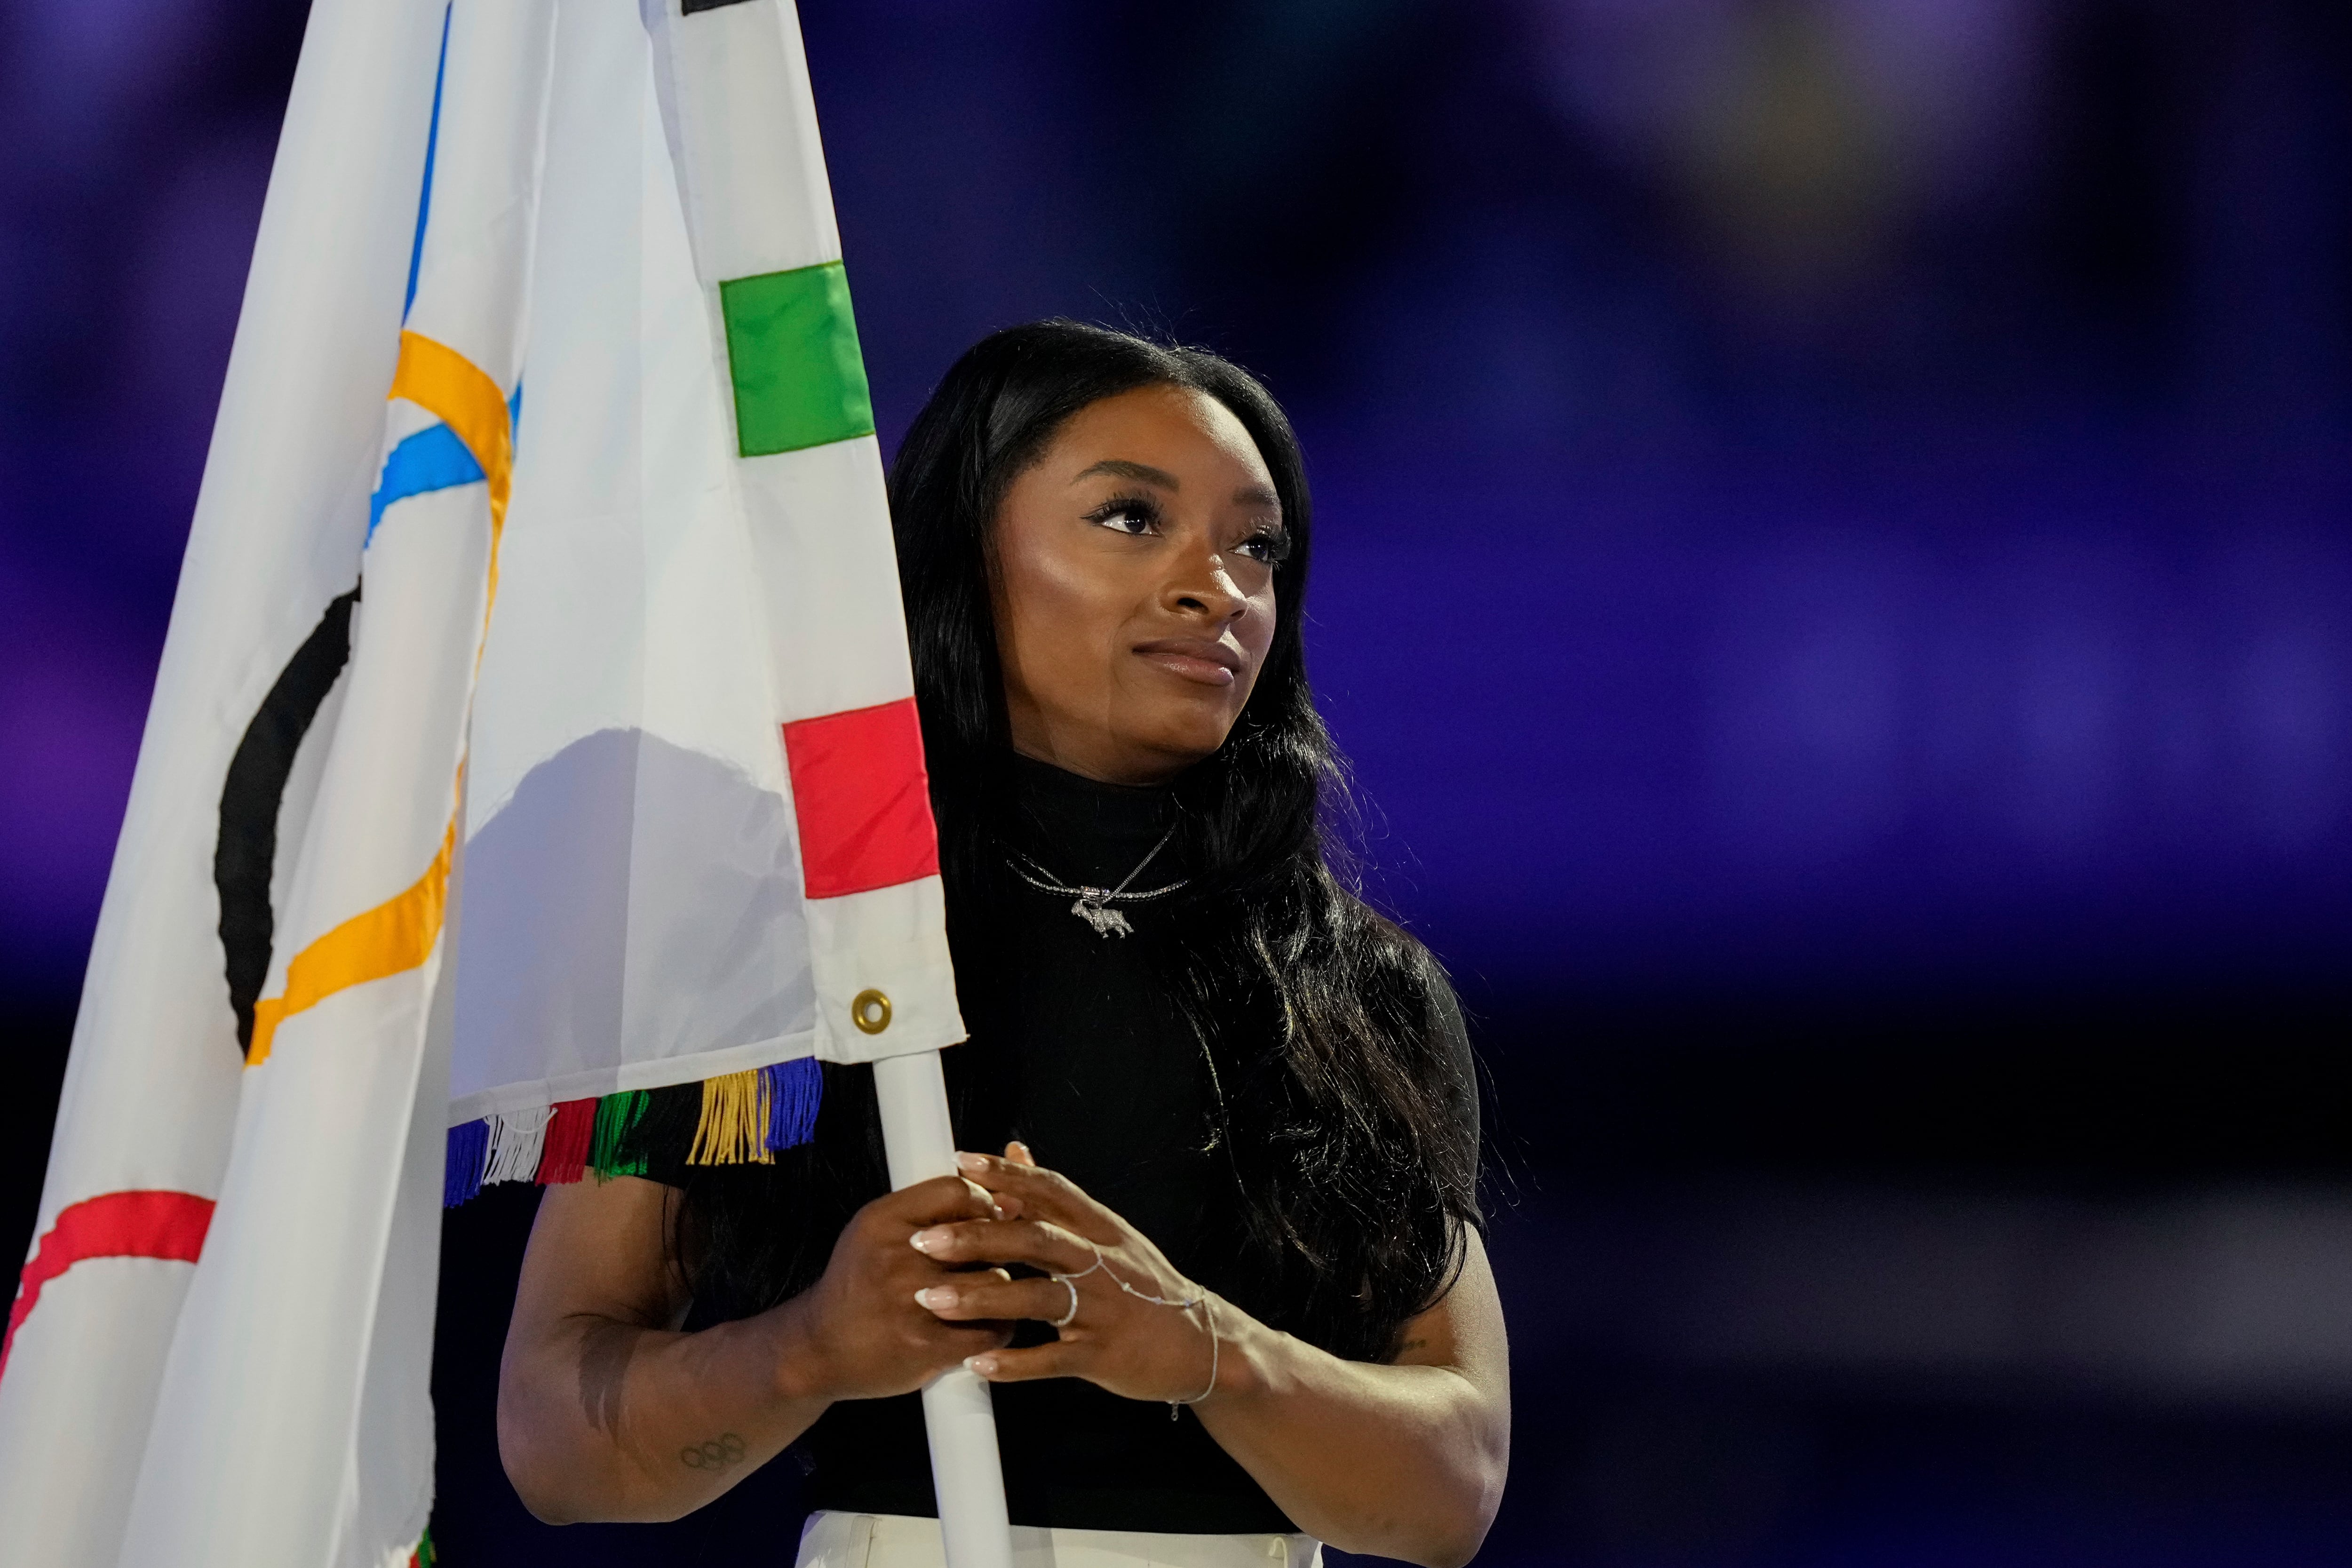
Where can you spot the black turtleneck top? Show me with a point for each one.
(1078, 1051)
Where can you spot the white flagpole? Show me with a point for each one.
(966, 1472)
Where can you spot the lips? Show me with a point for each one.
(1194, 658)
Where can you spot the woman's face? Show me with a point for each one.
(1135, 586)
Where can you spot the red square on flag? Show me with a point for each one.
(862, 798)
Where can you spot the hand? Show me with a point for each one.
(857, 1334)
(1115, 1340)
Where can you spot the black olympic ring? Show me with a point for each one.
(716, 1455)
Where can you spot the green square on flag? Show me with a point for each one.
(792, 349)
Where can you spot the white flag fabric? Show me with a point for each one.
(532, 738)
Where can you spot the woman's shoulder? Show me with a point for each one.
(1425, 1001)
(1450, 1052)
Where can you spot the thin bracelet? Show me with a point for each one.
(1104, 1264)
(1209, 1315)
(1082, 1273)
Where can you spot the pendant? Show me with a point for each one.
(1106, 922)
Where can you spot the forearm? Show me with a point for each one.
(1398, 1461)
(604, 1420)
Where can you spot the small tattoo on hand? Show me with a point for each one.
(714, 1453)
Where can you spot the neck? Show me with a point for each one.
(1095, 763)
(1084, 830)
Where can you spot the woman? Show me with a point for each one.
(1226, 1274)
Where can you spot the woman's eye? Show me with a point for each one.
(1271, 548)
(1125, 517)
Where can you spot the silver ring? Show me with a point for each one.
(1066, 1283)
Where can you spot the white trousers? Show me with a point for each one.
(896, 1541)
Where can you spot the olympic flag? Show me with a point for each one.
(534, 731)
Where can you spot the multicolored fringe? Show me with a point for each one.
(745, 1118)
(420, 1555)
(461, 1175)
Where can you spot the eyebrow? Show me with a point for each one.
(1142, 472)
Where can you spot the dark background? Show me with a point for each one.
(1836, 581)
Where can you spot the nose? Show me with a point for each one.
(1202, 589)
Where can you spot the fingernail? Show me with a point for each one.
(925, 1240)
(985, 1365)
(936, 1298)
(972, 1162)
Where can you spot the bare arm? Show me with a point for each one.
(606, 1411)
(1405, 1460)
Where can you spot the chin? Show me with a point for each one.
(1185, 739)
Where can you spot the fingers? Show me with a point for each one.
(1057, 1358)
(1048, 1195)
(993, 1204)
(970, 1297)
(1010, 1171)
(1032, 1242)
(944, 1200)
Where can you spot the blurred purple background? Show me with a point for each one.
(1836, 579)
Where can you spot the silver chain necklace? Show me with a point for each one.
(1093, 905)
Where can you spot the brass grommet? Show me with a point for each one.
(870, 1011)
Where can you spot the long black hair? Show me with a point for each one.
(1346, 1120)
